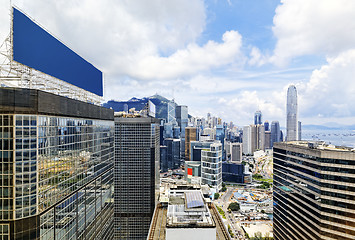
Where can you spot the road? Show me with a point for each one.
(223, 202)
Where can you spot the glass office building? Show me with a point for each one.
(211, 166)
(291, 111)
(56, 167)
(313, 191)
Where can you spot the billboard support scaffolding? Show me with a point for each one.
(15, 74)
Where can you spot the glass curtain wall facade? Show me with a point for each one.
(291, 111)
(313, 191)
(211, 166)
(56, 172)
(136, 175)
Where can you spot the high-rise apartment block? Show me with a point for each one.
(56, 160)
(313, 191)
(291, 111)
(136, 176)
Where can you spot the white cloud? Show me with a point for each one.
(242, 106)
(327, 96)
(257, 58)
(306, 27)
(191, 60)
(116, 34)
(330, 91)
(144, 47)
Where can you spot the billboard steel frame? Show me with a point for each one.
(14, 74)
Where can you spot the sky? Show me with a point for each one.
(227, 57)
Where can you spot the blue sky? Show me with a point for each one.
(229, 58)
(253, 20)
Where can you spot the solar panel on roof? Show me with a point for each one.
(193, 199)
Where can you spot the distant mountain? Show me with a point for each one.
(160, 102)
(330, 126)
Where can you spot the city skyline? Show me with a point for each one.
(230, 58)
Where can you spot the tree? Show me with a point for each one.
(266, 185)
(230, 231)
(224, 189)
(257, 176)
(258, 236)
(234, 206)
(216, 195)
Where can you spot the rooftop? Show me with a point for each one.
(186, 209)
(321, 145)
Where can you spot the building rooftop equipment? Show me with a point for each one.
(193, 199)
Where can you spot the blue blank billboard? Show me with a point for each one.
(36, 48)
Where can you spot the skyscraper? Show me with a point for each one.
(182, 119)
(56, 167)
(257, 117)
(211, 166)
(266, 125)
(313, 191)
(171, 112)
(57, 149)
(190, 135)
(236, 152)
(173, 153)
(260, 137)
(275, 132)
(299, 130)
(247, 140)
(268, 140)
(220, 135)
(136, 175)
(291, 111)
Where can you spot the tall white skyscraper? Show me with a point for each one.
(291, 121)
(247, 140)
